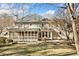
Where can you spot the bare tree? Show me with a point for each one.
(72, 9)
(19, 12)
(62, 14)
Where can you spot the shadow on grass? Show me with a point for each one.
(25, 52)
(28, 49)
(63, 54)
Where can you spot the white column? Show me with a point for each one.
(9, 34)
(51, 35)
(21, 36)
(18, 36)
(13, 35)
(26, 36)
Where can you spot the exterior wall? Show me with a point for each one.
(27, 36)
(28, 25)
(45, 34)
(33, 25)
(24, 36)
(30, 36)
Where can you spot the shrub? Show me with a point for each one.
(5, 41)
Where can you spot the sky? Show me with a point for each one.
(37, 8)
(39, 1)
(42, 8)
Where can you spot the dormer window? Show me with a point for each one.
(42, 24)
(31, 24)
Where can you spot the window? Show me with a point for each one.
(29, 33)
(31, 24)
(42, 34)
(22, 33)
(49, 34)
(35, 33)
(46, 34)
(39, 34)
(25, 33)
(32, 33)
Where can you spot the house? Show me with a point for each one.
(31, 30)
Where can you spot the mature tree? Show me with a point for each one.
(19, 11)
(72, 9)
(71, 17)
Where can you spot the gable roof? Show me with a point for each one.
(30, 17)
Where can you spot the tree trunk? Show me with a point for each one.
(74, 32)
(75, 36)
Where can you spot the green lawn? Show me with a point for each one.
(42, 49)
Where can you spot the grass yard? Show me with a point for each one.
(43, 49)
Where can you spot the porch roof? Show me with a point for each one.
(23, 29)
(28, 29)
